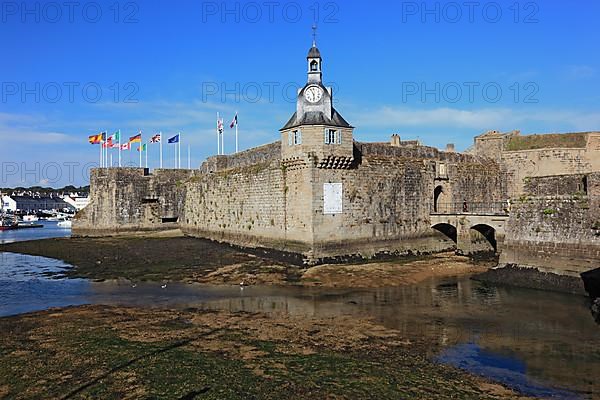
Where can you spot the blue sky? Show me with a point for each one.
(437, 71)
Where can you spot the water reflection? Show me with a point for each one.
(542, 343)
(508, 370)
(29, 283)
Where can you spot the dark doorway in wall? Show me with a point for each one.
(584, 185)
(166, 220)
(437, 192)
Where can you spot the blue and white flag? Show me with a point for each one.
(174, 139)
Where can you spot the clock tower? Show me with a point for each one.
(316, 134)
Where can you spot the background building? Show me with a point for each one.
(35, 204)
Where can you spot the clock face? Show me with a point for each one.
(313, 94)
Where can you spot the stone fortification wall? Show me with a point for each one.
(249, 206)
(521, 165)
(258, 155)
(131, 199)
(557, 185)
(528, 156)
(411, 151)
(559, 233)
(386, 200)
(252, 199)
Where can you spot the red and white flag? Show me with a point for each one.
(126, 146)
(220, 125)
(156, 138)
(234, 122)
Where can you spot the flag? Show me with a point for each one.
(220, 125)
(142, 147)
(107, 145)
(114, 137)
(174, 139)
(115, 145)
(155, 138)
(96, 139)
(136, 139)
(234, 122)
(126, 146)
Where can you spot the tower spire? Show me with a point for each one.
(314, 28)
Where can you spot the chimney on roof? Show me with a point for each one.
(450, 148)
(395, 141)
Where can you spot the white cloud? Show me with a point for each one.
(391, 117)
(581, 72)
(20, 129)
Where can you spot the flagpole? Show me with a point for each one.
(140, 149)
(101, 153)
(160, 142)
(189, 163)
(106, 152)
(222, 138)
(146, 151)
(236, 132)
(179, 147)
(119, 148)
(218, 138)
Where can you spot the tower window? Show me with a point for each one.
(295, 137)
(442, 170)
(333, 136)
(314, 66)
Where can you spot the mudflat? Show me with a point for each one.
(176, 258)
(124, 353)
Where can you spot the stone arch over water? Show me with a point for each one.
(448, 230)
(489, 233)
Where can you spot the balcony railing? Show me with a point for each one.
(476, 208)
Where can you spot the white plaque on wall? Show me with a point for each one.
(332, 198)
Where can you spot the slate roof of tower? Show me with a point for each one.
(317, 118)
(314, 53)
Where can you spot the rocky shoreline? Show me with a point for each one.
(532, 278)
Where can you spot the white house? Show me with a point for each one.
(9, 204)
(76, 200)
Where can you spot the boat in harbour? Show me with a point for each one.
(65, 224)
(8, 223)
(30, 218)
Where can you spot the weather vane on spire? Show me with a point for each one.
(314, 28)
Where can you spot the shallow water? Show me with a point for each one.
(541, 343)
(50, 230)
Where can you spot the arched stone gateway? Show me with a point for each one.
(437, 196)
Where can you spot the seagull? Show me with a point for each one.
(164, 286)
(242, 284)
(134, 285)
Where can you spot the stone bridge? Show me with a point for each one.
(474, 227)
